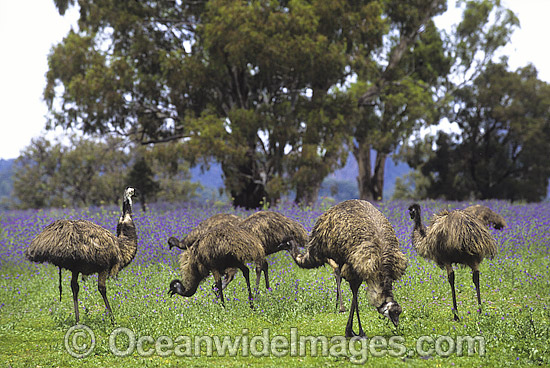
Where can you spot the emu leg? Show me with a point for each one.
(60, 286)
(102, 287)
(246, 274)
(451, 278)
(75, 288)
(339, 302)
(228, 277)
(218, 279)
(259, 268)
(475, 279)
(354, 286)
(258, 275)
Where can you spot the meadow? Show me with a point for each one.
(296, 323)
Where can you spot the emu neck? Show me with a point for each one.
(189, 291)
(191, 276)
(419, 228)
(380, 292)
(127, 207)
(309, 259)
(127, 235)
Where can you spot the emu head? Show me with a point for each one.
(391, 310)
(414, 211)
(176, 287)
(173, 242)
(129, 193)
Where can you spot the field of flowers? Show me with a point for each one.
(154, 329)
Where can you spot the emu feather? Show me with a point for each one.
(361, 241)
(84, 247)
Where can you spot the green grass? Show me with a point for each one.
(515, 322)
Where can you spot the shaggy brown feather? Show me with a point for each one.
(486, 215)
(454, 237)
(224, 246)
(362, 242)
(202, 228)
(84, 247)
(274, 230)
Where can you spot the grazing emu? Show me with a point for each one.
(273, 230)
(362, 243)
(487, 216)
(201, 229)
(81, 246)
(453, 237)
(224, 246)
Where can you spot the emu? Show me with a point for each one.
(81, 246)
(224, 246)
(486, 216)
(362, 243)
(273, 229)
(453, 237)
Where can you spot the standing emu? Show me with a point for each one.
(486, 216)
(224, 246)
(453, 237)
(273, 230)
(84, 247)
(362, 243)
(202, 228)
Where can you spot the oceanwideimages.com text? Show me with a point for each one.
(80, 342)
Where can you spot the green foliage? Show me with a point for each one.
(83, 173)
(141, 177)
(504, 124)
(87, 172)
(263, 87)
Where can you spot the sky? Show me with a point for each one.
(29, 29)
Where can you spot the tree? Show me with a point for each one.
(171, 170)
(83, 173)
(254, 84)
(504, 118)
(88, 171)
(141, 177)
(409, 84)
(232, 76)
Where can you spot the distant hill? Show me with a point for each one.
(6, 183)
(340, 185)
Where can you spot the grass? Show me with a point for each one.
(514, 324)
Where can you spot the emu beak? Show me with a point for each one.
(395, 320)
(175, 288)
(391, 310)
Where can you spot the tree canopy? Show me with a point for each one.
(277, 92)
(504, 121)
(86, 171)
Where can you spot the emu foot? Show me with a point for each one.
(216, 291)
(350, 333)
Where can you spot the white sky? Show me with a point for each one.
(28, 30)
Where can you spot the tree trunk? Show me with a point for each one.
(244, 182)
(307, 194)
(370, 183)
